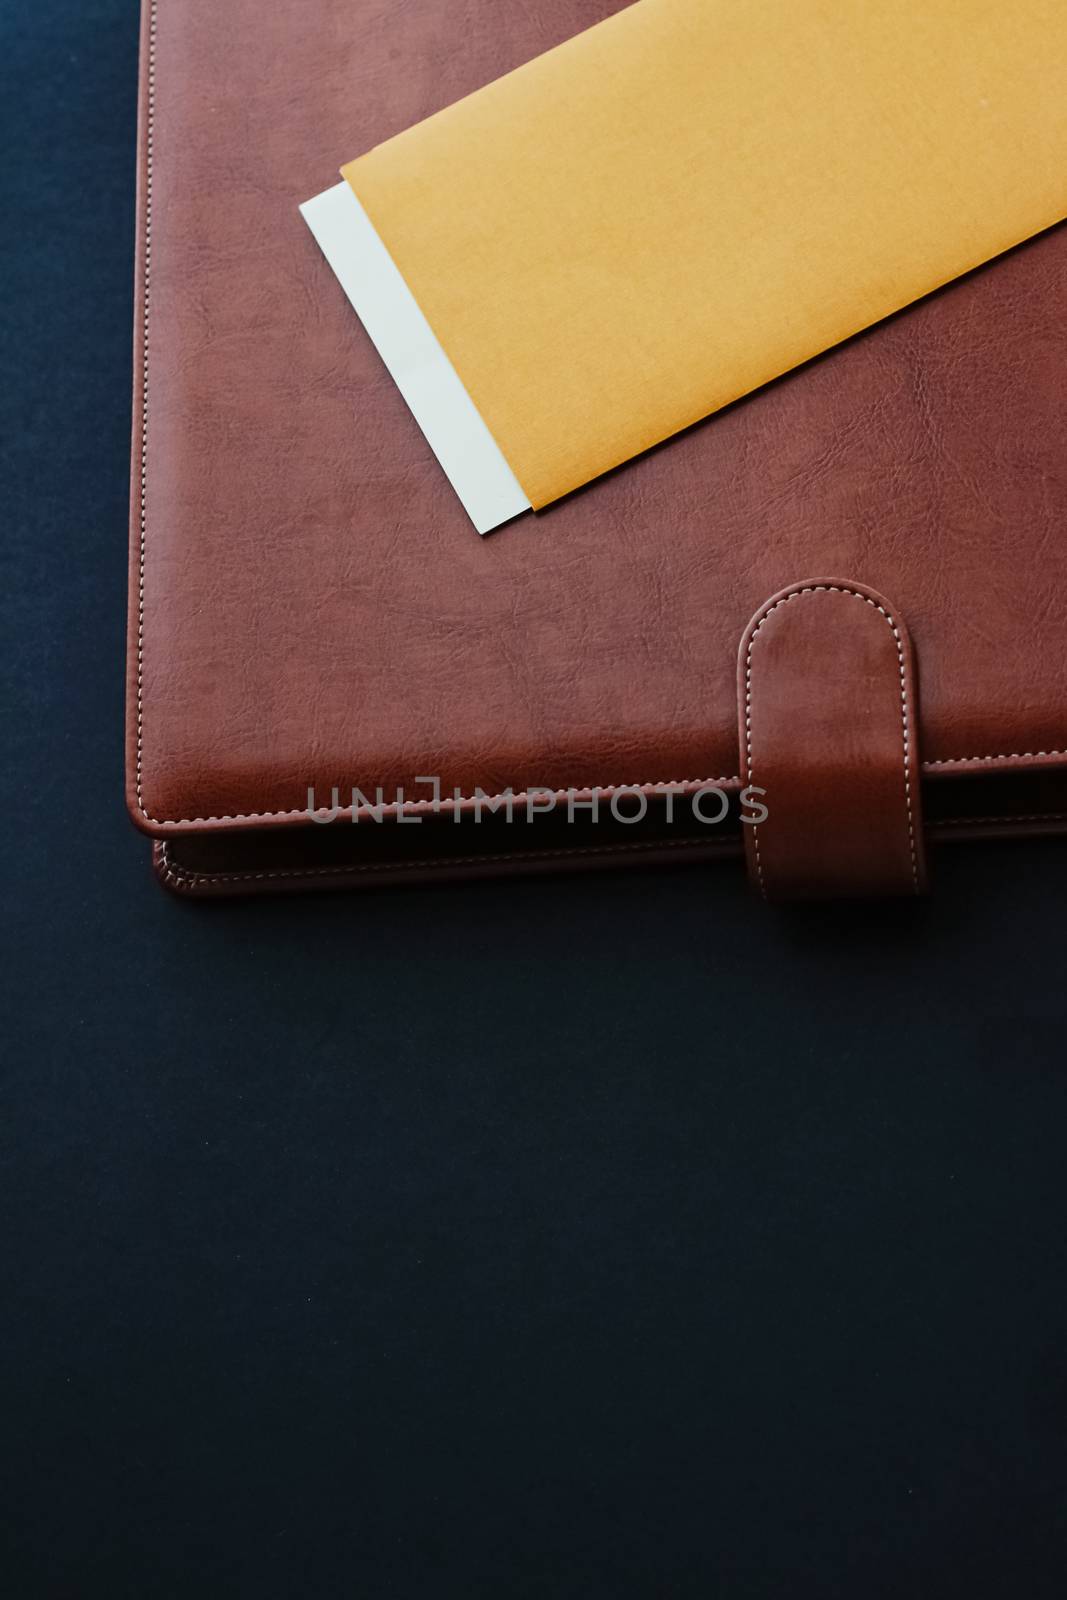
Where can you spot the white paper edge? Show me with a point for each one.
(473, 461)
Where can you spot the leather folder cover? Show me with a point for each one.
(308, 607)
(694, 196)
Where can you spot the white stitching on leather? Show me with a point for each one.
(144, 400)
(1011, 821)
(189, 876)
(280, 816)
(175, 873)
(413, 807)
(1013, 755)
(519, 797)
(831, 588)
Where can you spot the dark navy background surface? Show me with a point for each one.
(613, 1236)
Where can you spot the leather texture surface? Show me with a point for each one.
(828, 731)
(309, 604)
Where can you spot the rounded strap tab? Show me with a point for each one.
(829, 745)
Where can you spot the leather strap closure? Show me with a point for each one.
(829, 734)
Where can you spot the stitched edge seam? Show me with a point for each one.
(416, 807)
(1009, 821)
(831, 588)
(1009, 755)
(277, 816)
(175, 873)
(147, 288)
(411, 807)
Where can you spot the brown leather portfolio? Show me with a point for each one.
(823, 630)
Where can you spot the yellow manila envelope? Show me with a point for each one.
(694, 196)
